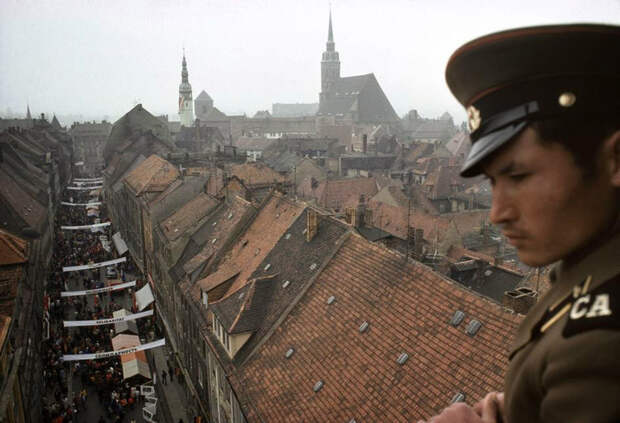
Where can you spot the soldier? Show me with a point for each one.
(544, 115)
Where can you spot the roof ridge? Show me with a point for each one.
(10, 241)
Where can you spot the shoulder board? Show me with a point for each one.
(597, 309)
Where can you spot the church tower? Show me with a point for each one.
(186, 105)
(330, 63)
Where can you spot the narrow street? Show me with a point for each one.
(102, 389)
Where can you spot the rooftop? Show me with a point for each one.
(190, 214)
(153, 174)
(407, 309)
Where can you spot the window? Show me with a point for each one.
(473, 327)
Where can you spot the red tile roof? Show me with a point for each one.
(188, 215)
(153, 174)
(13, 250)
(256, 174)
(408, 308)
(337, 193)
(269, 225)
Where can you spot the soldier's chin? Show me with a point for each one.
(533, 258)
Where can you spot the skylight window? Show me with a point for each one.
(241, 295)
(473, 327)
(214, 241)
(304, 232)
(244, 243)
(458, 397)
(230, 216)
(289, 353)
(313, 266)
(317, 386)
(402, 359)
(457, 318)
(331, 299)
(215, 223)
(288, 236)
(363, 327)
(286, 283)
(257, 251)
(268, 266)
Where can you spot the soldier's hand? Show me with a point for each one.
(489, 410)
(491, 405)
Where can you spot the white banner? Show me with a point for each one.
(144, 297)
(94, 265)
(99, 180)
(93, 204)
(100, 322)
(82, 183)
(77, 357)
(94, 225)
(85, 188)
(98, 290)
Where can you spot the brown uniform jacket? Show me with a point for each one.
(565, 361)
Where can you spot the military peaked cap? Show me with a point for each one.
(510, 78)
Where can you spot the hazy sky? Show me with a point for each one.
(101, 57)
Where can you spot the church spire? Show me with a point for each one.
(330, 62)
(28, 115)
(186, 105)
(330, 34)
(184, 74)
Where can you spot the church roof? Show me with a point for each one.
(345, 96)
(215, 114)
(204, 96)
(55, 123)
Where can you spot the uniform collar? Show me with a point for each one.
(601, 264)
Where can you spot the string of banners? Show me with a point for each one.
(94, 265)
(93, 204)
(85, 188)
(98, 290)
(100, 179)
(110, 321)
(94, 182)
(94, 225)
(96, 356)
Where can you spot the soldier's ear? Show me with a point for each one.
(611, 148)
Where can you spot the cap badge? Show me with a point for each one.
(473, 116)
(567, 99)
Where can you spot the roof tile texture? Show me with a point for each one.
(153, 174)
(249, 251)
(188, 215)
(408, 308)
(13, 250)
(256, 174)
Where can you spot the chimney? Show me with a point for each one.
(520, 300)
(365, 143)
(312, 224)
(418, 242)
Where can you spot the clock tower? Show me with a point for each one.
(186, 105)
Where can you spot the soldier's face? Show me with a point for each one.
(545, 206)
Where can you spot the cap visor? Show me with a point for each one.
(487, 145)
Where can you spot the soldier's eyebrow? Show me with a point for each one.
(510, 167)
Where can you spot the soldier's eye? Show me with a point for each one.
(517, 177)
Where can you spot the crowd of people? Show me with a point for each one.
(69, 383)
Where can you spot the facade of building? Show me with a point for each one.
(88, 143)
(34, 166)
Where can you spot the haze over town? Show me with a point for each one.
(97, 59)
